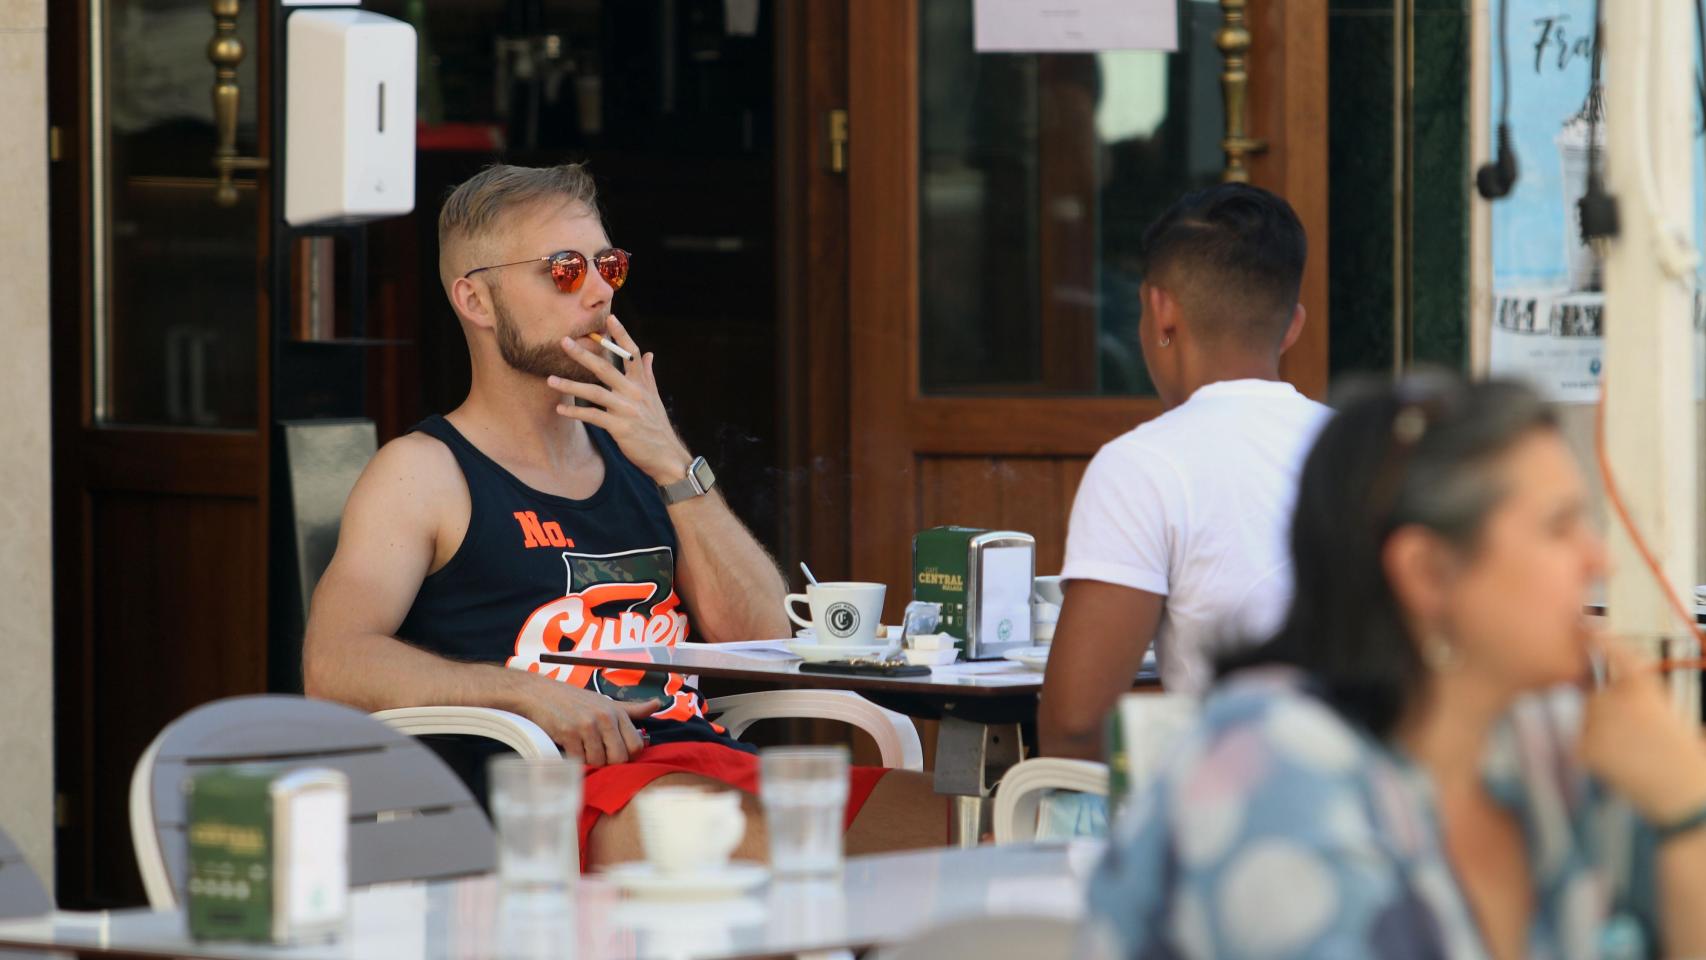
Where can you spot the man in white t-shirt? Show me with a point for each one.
(1180, 530)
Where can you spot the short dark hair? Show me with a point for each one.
(1424, 450)
(1233, 255)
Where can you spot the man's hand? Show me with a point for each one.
(626, 406)
(588, 726)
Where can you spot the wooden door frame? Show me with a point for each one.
(812, 270)
(1288, 106)
(891, 421)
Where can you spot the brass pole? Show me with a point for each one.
(225, 51)
(1233, 40)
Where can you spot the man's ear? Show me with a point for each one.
(1293, 331)
(1164, 312)
(473, 302)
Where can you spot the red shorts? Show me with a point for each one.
(608, 789)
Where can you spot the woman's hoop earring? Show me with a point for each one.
(1166, 341)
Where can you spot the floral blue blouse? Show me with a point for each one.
(1280, 830)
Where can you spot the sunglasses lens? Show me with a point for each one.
(568, 270)
(613, 267)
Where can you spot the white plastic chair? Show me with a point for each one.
(897, 739)
(1021, 792)
(1152, 722)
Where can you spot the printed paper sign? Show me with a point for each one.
(1075, 26)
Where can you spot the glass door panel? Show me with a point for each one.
(1038, 174)
(176, 273)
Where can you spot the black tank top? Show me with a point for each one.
(539, 573)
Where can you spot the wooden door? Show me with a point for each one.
(994, 204)
(160, 356)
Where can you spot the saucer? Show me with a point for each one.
(639, 878)
(1037, 658)
(817, 653)
(808, 635)
(1034, 657)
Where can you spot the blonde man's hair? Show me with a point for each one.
(475, 210)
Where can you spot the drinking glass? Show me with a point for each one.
(804, 790)
(536, 805)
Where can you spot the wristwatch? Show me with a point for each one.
(698, 480)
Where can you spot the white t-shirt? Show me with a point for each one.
(1196, 506)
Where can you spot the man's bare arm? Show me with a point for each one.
(1099, 644)
(386, 544)
(728, 580)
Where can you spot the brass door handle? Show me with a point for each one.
(1234, 43)
(837, 141)
(226, 52)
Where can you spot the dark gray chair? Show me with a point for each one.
(410, 817)
(324, 459)
(21, 893)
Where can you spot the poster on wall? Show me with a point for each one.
(1548, 301)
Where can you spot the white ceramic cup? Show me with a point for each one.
(1050, 589)
(844, 614)
(686, 830)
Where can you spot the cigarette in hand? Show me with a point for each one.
(610, 345)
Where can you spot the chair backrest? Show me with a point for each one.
(1019, 796)
(21, 893)
(321, 463)
(1150, 723)
(325, 458)
(990, 938)
(410, 817)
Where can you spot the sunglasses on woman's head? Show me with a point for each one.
(568, 267)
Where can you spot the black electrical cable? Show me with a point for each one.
(1505, 62)
(1597, 209)
(1496, 177)
(1595, 105)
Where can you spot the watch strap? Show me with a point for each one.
(699, 479)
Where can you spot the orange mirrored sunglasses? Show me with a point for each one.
(568, 267)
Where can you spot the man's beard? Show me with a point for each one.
(535, 359)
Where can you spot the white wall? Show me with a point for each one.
(26, 558)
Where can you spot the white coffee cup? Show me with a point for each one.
(844, 614)
(1049, 589)
(685, 830)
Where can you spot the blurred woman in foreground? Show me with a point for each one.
(1411, 767)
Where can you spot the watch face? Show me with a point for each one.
(702, 475)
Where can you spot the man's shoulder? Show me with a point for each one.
(417, 449)
(1145, 446)
(413, 464)
(1161, 435)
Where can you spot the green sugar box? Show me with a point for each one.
(268, 853)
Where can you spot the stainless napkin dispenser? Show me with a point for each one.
(982, 579)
